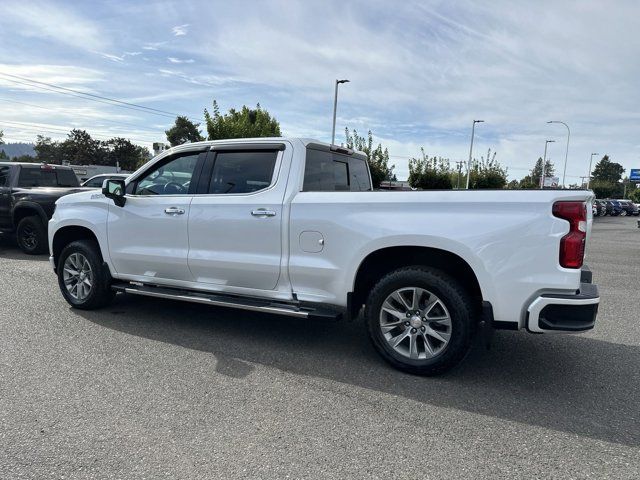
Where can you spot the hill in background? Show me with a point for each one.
(17, 149)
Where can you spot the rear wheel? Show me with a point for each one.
(84, 282)
(420, 320)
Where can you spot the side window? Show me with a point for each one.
(328, 172)
(242, 172)
(4, 176)
(172, 178)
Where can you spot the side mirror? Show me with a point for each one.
(115, 190)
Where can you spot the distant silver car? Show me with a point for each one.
(97, 180)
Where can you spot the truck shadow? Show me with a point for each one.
(9, 250)
(572, 384)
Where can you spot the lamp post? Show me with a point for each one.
(566, 153)
(335, 107)
(590, 161)
(473, 130)
(544, 162)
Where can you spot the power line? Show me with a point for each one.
(89, 96)
(114, 122)
(57, 131)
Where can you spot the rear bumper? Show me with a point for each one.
(562, 313)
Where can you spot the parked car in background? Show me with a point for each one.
(613, 208)
(594, 209)
(601, 207)
(628, 208)
(97, 180)
(28, 192)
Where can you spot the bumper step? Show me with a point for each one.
(231, 301)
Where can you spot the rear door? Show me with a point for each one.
(235, 222)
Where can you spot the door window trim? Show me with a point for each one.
(202, 154)
(207, 170)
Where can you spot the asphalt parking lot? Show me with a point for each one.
(157, 389)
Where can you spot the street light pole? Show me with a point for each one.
(335, 107)
(590, 161)
(473, 131)
(544, 162)
(566, 153)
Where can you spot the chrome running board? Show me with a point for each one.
(219, 300)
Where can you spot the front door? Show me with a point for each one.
(235, 224)
(148, 237)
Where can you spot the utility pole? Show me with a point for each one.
(473, 131)
(544, 162)
(335, 108)
(566, 153)
(590, 162)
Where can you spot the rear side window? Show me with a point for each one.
(47, 177)
(4, 176)
(329, 172)
(242, 172)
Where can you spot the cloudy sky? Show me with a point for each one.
(420, 72)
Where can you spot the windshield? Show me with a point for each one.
(47, 177)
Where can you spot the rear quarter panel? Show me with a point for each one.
(509, 238)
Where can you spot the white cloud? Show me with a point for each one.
(180, 30)
(178, 60)
(51, 21)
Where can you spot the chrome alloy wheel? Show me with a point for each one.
(77, 276)
(415, 323)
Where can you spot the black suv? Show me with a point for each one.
(28, 193)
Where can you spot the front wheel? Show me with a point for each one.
(83, 281)
(420, 320)
(31, 235)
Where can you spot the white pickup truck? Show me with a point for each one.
(293, 227)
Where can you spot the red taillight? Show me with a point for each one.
(572, 244)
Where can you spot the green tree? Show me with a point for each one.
(3, 156)
(533, 179)
(635, 196)
(246, 123)
(605, 179)
(377, 157)
(120, 151)
(430, 173)
(607, 171)
(80, 149)
(487, 173)
(183, 130)
(47, 151)
(24, 158)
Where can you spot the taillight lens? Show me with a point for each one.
(572, 244)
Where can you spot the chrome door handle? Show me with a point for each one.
(261, 212)
(174, 211)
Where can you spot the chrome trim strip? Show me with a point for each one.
(220, 303)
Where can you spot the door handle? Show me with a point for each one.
(174, 211)
(261, 212)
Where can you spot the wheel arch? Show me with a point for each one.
(384, 260)
(70, 233)
(28, 209)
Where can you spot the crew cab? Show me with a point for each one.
(293, 227)
(28, 192)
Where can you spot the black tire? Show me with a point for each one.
(31, 236)
(100, 293)
(460, 311)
